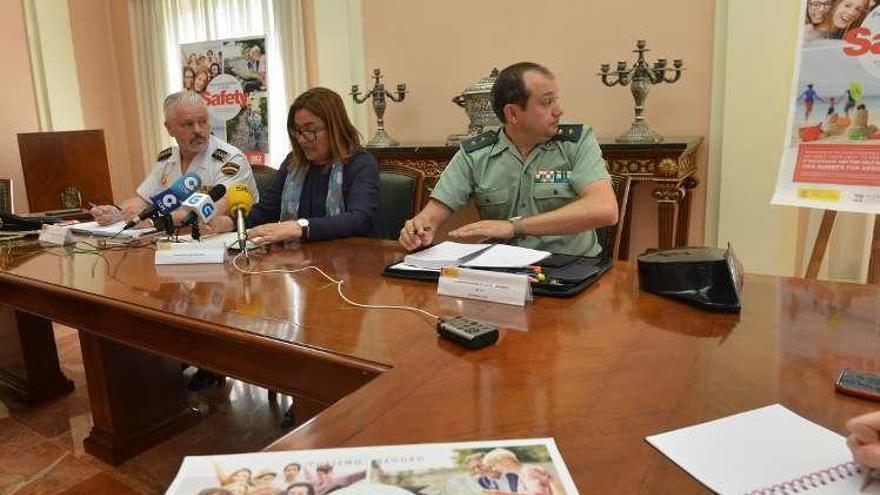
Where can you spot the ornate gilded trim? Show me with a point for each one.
(668, 194)
(431, 168)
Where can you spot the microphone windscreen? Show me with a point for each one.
(217, 192)
(170, 199)
(239, 197)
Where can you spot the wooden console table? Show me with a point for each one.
(670, 166)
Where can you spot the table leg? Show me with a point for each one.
(138, 399)
(29, 367)
(626, 218)
(668, 197)
(684, 212)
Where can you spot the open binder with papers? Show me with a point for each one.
(563, 275)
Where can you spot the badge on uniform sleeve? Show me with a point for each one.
(551, 176)
(164, 155)
(163, 179)
(230, 169)
(220, 155)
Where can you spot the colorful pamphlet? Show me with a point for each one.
(530, 466)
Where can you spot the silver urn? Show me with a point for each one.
(477, 104)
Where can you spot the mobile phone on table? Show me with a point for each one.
(860, 384)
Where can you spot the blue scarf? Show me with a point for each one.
(293, 187)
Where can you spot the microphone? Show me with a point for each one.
(240, 203)
(168, 200)
(202, 206)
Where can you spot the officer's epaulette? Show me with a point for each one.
(164, 155)
(569, 132)
(220, 155)
(479, 141)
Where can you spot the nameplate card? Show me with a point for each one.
(504, 288)
(186, 253)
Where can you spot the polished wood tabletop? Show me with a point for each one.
(598, 372)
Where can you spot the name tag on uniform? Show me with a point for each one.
(552, 176)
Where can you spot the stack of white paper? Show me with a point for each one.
(474, 255)
(112, 230)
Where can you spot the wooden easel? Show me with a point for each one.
(824, 236)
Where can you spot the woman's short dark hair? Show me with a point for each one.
(509, 87)
(327, 105)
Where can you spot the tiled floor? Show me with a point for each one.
(41, 448)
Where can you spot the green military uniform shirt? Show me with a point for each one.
(489, 169)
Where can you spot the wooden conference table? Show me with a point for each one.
(597, 372)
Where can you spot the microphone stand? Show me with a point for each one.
(169, 224)
(242, 232)
(194, 231)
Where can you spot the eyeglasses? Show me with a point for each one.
(307, 135)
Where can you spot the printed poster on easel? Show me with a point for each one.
(831, 158)
(231, 77)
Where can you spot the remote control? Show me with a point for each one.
(859, 383)
(468, 333)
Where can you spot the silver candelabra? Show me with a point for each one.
(640, 78)
(379, 93)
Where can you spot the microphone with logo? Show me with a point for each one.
(202, 208)
(168, 200)
(240, 203)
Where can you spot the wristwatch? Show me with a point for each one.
(518, 229)
(304, 226)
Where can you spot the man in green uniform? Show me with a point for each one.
(535, 182)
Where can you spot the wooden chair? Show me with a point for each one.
(263, 176)
(609, 236)
(401, 196)
(54, 161)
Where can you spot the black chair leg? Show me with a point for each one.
(289, 420)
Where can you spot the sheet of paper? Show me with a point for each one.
(759, 449)
(403, 266)
(443, 254)
(475, 255)
(504, 256)
(228, 239)
(114, 229)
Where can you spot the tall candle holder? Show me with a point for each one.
(640, 77)
(379, 94)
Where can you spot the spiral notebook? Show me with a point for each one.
(767, 451)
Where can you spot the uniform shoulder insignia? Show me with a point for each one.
(569, 132)
(479, 141)
(220, 155)
(164, 155)
(229, 169)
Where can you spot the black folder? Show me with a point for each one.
(566, 275)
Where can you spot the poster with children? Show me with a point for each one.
(831, 158)
(531, 466)
(231, 77)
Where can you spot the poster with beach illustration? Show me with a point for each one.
(831, 158)
(529, 467)
(231, 77)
